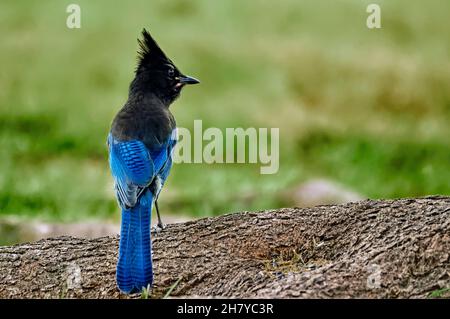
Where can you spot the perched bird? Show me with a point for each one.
(140, 144)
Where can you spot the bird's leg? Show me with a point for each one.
(160, 224)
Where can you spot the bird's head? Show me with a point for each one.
(156, 73)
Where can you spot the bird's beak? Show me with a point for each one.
(188, 80)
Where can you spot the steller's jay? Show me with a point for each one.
(140, 143)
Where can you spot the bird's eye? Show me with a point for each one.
(171, 72)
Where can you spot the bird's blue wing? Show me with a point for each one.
(132, 168)
(165, 169)
(163, 158)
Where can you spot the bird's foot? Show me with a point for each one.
(159, 228)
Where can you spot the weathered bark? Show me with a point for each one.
(373, 248)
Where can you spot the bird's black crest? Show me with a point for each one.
(149, 52)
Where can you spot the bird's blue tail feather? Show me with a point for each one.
(134, 268)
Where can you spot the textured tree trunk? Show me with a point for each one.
(373, 248)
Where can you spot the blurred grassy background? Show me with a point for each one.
(369, 109)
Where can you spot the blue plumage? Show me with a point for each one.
(132, 168)
(139, 175)
(135, 268)
(140, 144)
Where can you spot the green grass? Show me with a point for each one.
(170, 290)
(440, 293)
(146, 293)
(367, 108)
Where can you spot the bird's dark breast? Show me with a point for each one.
(152, 126)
